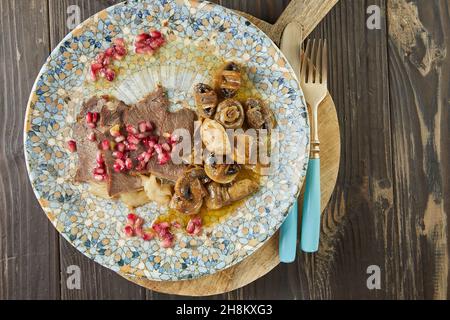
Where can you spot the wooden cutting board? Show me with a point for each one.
(307, 13)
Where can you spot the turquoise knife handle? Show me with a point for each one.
(311, 209)
(288, 236)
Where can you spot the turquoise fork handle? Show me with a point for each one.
(288, 236)
(311, 209)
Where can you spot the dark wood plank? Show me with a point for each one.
(419, 41)
(29, 258)
(358, 217)
(97, 282)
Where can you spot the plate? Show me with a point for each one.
(200, 36)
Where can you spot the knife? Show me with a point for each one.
(290, 45)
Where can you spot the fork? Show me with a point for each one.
(313, 81)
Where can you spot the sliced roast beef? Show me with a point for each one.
(111, 114)
(118, 182)
(182, 119)
(152, 108)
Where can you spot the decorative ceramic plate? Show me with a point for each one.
(199, 36)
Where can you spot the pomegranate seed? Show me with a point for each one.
(128, 231)
(133, 139)
(141, 136)
(110, 52)
(72, 145)
(142, 126)
(150, 142)
(157, 43)
(99, 177)
(142, 37)
(158, 148)
(129, 163)
(163, 158)
(118, 155)
(95, 117)
(167, 241)
(155, 34)
(100, 171)
(105, 145)
(131, 130)
(99, 158)
(147, 236)
(120, 52)
(100, 58)
(141, 156)
(110, 75)
(147, 156)
(190, 227)
(119, 165)
(139, 222)
(115, 131)
(119, 139)
(95, 68)
(146, 50)
(92, 137)
(162, 228)
(89, 117)
(139, 232)
(197, 230)
(166, 147)
(130, 146)
(194, 226)
(145, 126)
(131, 217)
(120, 147)
(119, 42)
(174, 139)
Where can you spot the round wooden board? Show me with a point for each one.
(266, 258)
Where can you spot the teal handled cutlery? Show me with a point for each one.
(311, 70)
(313, 80)
(291, 42)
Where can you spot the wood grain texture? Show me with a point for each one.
(29, 266)
(419, 42)
(358, 219)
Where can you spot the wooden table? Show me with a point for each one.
(391, 204)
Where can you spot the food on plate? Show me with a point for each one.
(222, 173)
(206, 100)
(229, 80)
(103, 64)
(215, 138)
(258, 115)
(127, 152)
(220, 195)
(149, 43)
(245, 148)
(230, 114)
(134, 199)
(189, 192)
(156, 190)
